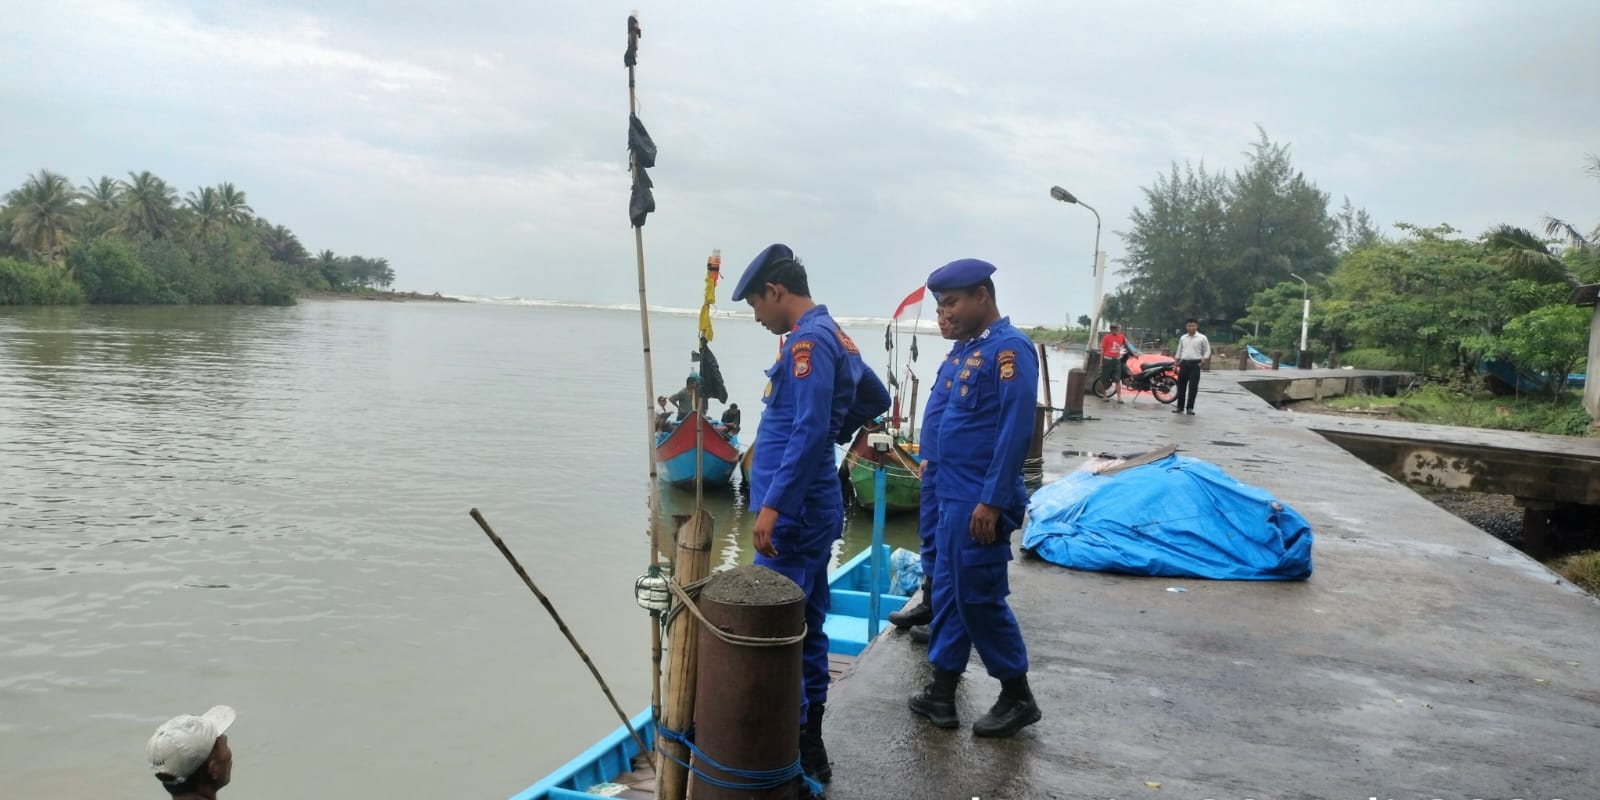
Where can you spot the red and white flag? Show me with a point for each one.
(912, 305)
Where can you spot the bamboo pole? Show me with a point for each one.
(545, 601)
(650, 396)
(691, 563)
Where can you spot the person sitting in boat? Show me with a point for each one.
(663, 414)
(730, 420)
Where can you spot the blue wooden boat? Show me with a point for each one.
(848, 630)
(1261, 360)
(675, 452)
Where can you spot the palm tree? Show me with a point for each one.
(1523, 255)
(207, 210)
(235, 211)
(44, 213)
(281, 243)
(148, 205)
(1583, 251)
(101, 199)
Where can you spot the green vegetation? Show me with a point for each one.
(1476, 409)
(134, 242)
(1055, 336)
(1231, 250)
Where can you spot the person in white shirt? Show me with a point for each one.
(1193, 348)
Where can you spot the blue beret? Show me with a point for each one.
(959, 274)
(773, 253)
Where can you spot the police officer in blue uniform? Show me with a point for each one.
(919, 616)
(983, 437)
(818, 386)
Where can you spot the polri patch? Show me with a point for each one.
(802, 358)
(845, 340)
(1008, 364)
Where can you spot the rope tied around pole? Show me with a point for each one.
(685, 596)
(757, 778)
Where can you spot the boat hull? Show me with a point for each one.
(902, 484)
(675, 456)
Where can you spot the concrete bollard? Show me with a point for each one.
(1244, 359)
(1075, 387)
(747, 699)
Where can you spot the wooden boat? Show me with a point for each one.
(902, 481)
(616, 759)
(675, 450)
(1260, 360)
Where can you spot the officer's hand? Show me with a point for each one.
(984, 519)
(765, 522)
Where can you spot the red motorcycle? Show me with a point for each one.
(1159, 377)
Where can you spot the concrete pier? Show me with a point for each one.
(1423, 659)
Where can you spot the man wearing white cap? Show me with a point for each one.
(190, 754)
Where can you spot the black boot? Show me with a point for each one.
(937, 701)
(920, 634)
(813, 755)
(1014, 710)
(919, 614)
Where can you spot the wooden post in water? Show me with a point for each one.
(691, 563)
(747, 698)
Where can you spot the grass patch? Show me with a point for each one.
(1583, 569)
(1443, 406)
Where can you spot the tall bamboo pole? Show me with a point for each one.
(649, 389)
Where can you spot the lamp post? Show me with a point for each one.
(1305, 313)
(1099, 261)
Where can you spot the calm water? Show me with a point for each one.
(268, 508)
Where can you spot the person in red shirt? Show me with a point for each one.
(1112, 346)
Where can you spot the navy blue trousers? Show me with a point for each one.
(928, 521)
(807, 566)
(970, 609)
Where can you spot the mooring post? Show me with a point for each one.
(1075, 387)
(691, 563)
(747, 698)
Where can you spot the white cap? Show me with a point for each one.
(182, 744)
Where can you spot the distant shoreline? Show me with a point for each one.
(393, 297)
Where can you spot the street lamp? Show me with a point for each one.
(1305, 312)
(1099, 262)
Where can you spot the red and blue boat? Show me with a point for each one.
(675, 453)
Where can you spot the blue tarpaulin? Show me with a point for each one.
(1175, 517)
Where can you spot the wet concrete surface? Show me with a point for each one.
(1423, 658)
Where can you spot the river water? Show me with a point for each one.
(267, 508)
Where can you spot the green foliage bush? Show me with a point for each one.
(25, 284)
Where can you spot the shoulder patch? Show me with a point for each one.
(802, 361)
(845, 340)
(801, 346)
(1008, 364)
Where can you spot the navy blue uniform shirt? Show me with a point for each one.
(988, 419)
(943, 380)
(818, 381)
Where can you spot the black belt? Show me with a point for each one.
(1189, 361)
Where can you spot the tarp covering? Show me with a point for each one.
(1175, 517)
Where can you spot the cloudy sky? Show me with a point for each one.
(480, 145)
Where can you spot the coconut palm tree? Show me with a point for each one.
(281, 243)
(207, 209)
(148, 206)
(1583, 250)
(235, 211)
(43, 215)
(101, 200)
(1524, 255)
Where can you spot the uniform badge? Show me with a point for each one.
(1008, 364)
(964, 389)
(802, 358)
(947, 384)
(975, 362)
(768, 392)
(965, 374)
(845, 340)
